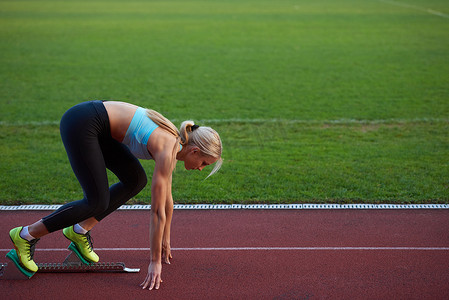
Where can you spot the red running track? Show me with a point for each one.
(321, 266)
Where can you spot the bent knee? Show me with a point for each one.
(97, 205)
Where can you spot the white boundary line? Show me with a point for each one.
(335, 121)
(257, 121)
(415, 7)
(247, 206)
(264, 249)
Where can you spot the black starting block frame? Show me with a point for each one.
(73, 263)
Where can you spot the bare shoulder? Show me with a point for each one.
(161, 144)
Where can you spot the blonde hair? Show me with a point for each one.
(205, 138)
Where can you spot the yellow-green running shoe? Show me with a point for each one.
(83, 243)
(24, 249)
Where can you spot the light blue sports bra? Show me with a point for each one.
(138, 133)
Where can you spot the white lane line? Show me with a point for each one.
(310, 248)
(415, 7)
(264, 249)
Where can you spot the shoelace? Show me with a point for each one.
(89, 242)
(32, 245)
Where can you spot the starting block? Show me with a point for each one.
(73, 263)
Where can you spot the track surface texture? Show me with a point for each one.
(271, 254)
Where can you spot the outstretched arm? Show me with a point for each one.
(166, 250)
(160, 192)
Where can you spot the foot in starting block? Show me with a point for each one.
(19, 272)
(74, 262)
(79, 259)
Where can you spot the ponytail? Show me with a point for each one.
(186, 128)
(165, 124)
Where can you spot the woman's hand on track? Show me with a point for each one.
(153, 279)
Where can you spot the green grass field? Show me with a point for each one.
(316, 101)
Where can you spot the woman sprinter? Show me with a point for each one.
(100, 135)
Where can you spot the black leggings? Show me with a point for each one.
(86, 135)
